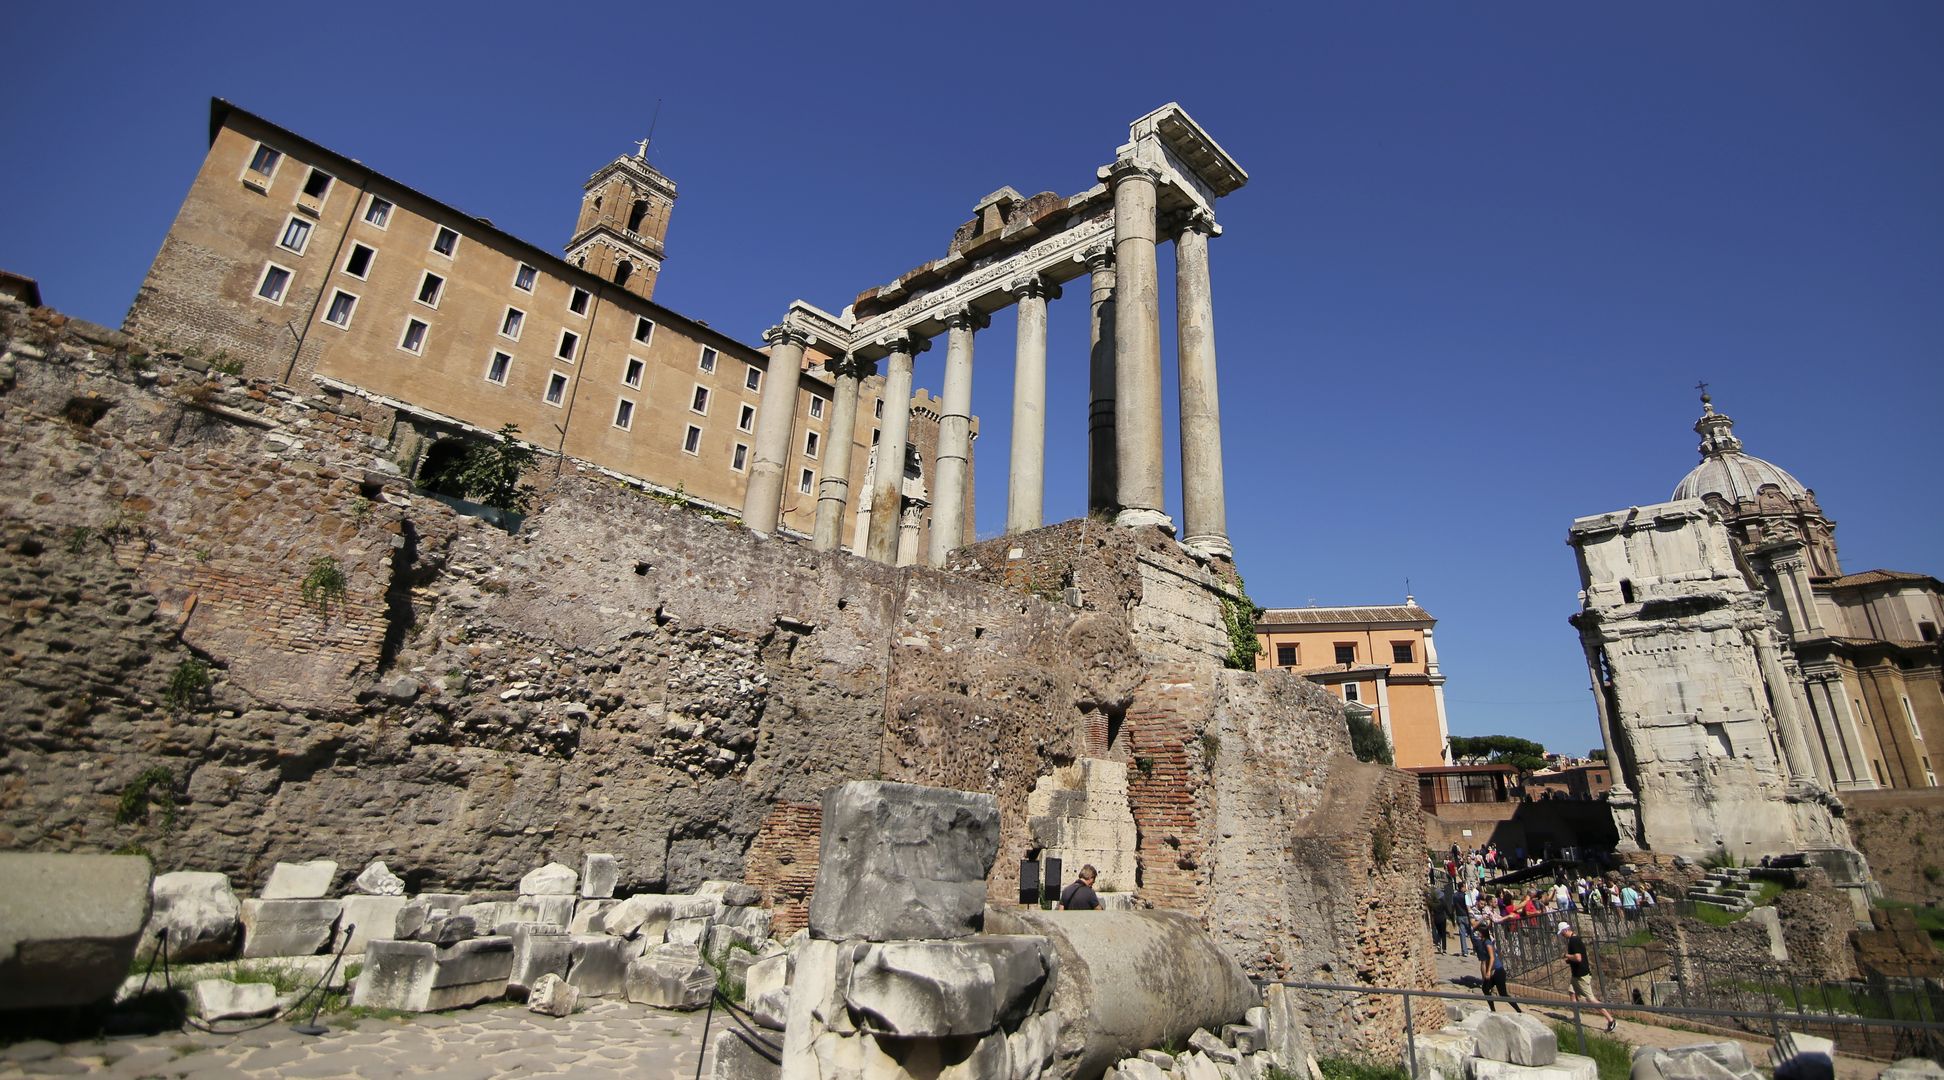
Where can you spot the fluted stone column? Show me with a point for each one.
(833, 491)
(1026, 484)
(1139, 480)
(1204, 506)
(1616, 761)
(954, 435)
(1795, 750)
(910, 520)
(776, 414)
(887, 486)
(1101, 494)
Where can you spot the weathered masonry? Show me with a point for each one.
(1162, 184)
(309, 268)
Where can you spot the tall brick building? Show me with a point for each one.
(311, 269)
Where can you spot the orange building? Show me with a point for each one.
(1380, 657)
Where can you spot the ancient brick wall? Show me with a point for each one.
(615, 676)
(782, 862)
(1816, 925)
(1901, 833)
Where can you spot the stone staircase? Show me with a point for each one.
(1729, 888)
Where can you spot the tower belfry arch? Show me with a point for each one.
(1162, 185)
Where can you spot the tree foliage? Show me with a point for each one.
(1522, 754)
(1367, 740)
(489, 472)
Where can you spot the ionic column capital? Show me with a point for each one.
(966, 318)
(1126, 169)
(1034, 287)
(906, 342)
(1200, 221)
(850, 365)
(785, 334)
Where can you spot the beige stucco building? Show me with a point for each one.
(313, 270)
(1381, 657)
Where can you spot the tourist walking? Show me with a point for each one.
(1491, 965)
(1582, 972)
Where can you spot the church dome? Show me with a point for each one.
(1725, 470)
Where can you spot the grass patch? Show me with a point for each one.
(1358, 1069)
(1637, 940)
(1613, 1056)
(1715, 916)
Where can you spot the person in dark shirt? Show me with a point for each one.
(1080, 895)
(1491, 965)
(1582, 971)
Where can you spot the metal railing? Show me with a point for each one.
(1902, 1038)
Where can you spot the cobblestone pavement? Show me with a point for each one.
(606, 1039)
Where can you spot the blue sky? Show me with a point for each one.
(1485, 253)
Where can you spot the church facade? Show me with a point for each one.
(304, 267)
(1735, 664)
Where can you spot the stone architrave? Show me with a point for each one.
(198, 910)
(288, 927)
(671, 977)
(600, 873)
(648, 915)
(417, 976)
(1513, 1038)
(597, 964)
(538, 950)
(299, 881)
(901, 861)
(554, 909)
(68, 926)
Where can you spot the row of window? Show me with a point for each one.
(1402, 652)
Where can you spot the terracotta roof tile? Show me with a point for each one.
(1328, 616)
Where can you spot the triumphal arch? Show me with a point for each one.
(1161, 185)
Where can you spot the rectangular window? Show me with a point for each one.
(624, 414)
(752, 378)
(524, 277)
(1401, 653)
(633, 375)
(692, 440)
(577, 303)
(877, 409)
(339, 313)
(264, 161)
(1346, 654)
(445, 241)
(708, 360)
(700, 401)
(498, 368)
(358, 263)
(569, 341)
(1911, 716)
(806, 481)
(816, 408)
(809, 444)
(1285, 656)
(511, 323)
(430, 287)
(644, 330)
(1352, 692)
(413, 339)
(746, 418)
(739, 460)
(276, 280)
(296, 235)
(317, 184)
(556, 388)
(378, 212)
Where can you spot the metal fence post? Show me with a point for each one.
(1410, 1039)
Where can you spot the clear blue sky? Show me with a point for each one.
(1485, 253)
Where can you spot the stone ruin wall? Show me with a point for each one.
(617, 676)
(1901, 832)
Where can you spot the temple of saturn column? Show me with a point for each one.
(1161, 185)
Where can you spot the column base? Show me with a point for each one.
(1135, 517)
(1213, 545)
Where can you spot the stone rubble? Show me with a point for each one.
(378, 880)
(197, 910)
(69, 926)
(299, 881)
(221, 999)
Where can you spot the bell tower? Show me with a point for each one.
(623, 223)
